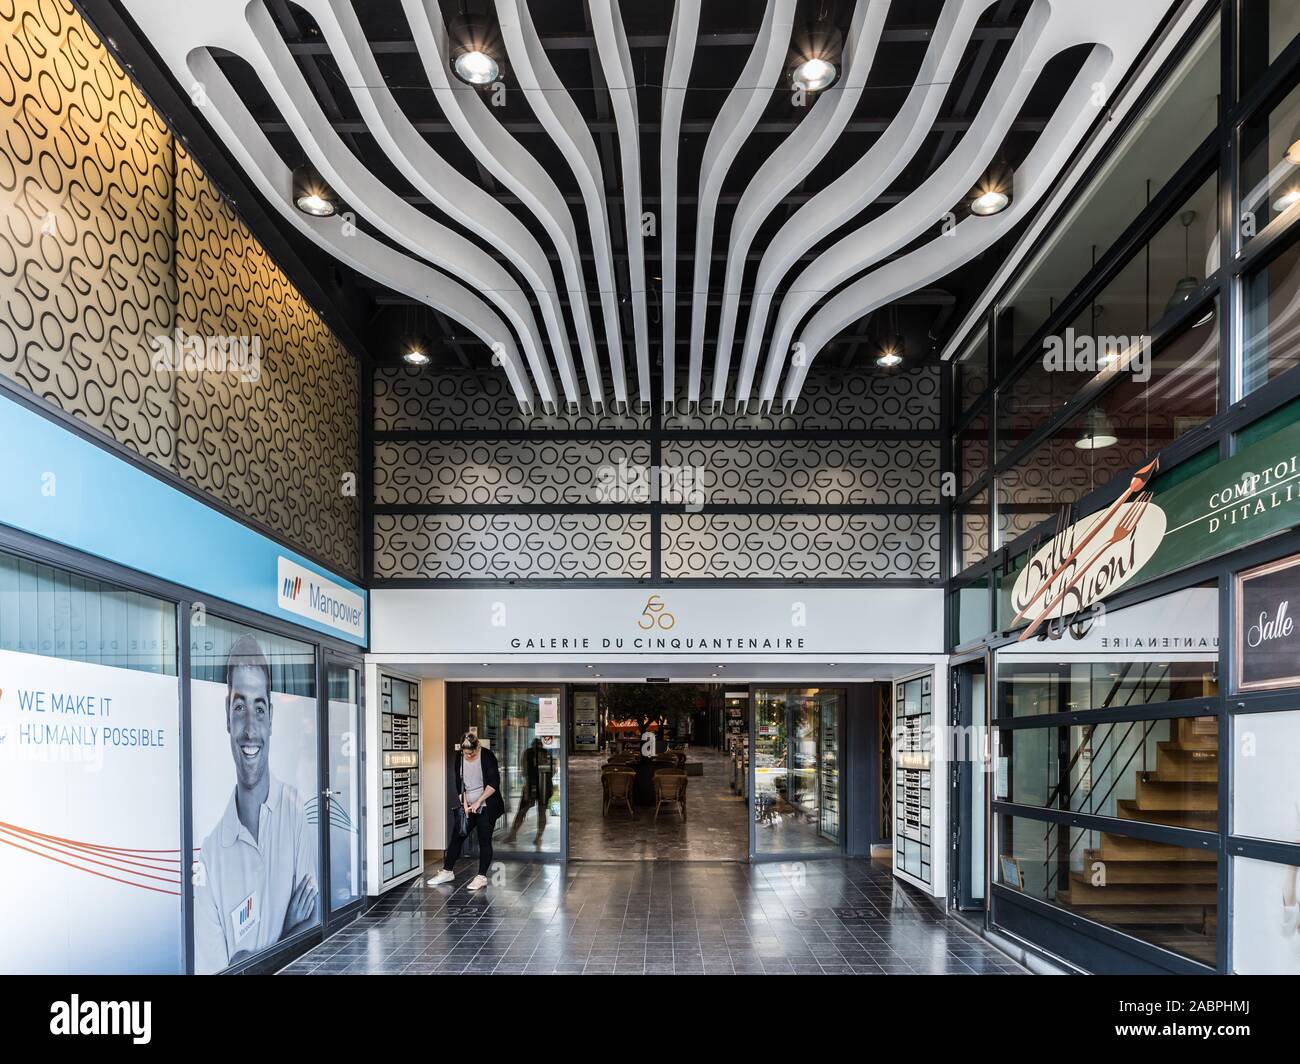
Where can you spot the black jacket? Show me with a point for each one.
(495, 806)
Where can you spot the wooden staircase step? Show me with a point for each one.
(1197, 733)
(1201, 819)
(1123, 848)
(1150, 872)
(1133, 894)
(1176, 765)
(1162, 795)
(1120, 916)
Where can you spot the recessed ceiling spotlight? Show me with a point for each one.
(312, 195)
(991, 201)
(415, 357)
(814, 74)
(475, 67)
(888, 359)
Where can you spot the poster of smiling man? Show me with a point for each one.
(256, 880)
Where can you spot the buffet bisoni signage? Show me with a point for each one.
(648, 622)
(1147, 533)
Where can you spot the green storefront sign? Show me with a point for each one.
(1252, 495)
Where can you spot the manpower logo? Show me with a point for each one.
(308, 594)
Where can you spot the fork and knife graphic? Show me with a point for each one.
(1138, 499)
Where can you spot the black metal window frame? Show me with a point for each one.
(655, 435)
(326, 650)
(1219, 436)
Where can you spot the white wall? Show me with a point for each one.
(433, 764)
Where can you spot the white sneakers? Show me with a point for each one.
(477, 883)
(442, 877)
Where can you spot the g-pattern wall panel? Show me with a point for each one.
(838, 402)
(87, 242)
(408, 400)
(281, 448)
(511, 546)
(501, 472)
(791, 546)
(767, 472)
(113, 245)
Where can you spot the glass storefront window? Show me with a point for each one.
(1270, 168)
(797, 770)
(90, 751)
(1265, 937)
(973, 370)
(972, 612)
(973, 449)
(59, 614)
(1162, 650)
(1272, 312)
(973, 531)
(256, 806)
(1266, 785)
(1179, 117)
(345, 794)
(1155, 771)
(507, 720)
(1163, 894)
(1129, 422)
(1267, 27)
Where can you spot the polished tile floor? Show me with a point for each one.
(715, 828)
(837, 917)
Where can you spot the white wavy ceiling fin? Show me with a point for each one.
(400, 221)
(790, 163)
(250, 147)
(739, 114)
(924, 207)
(861, 183)
(510, 163)
(560, 117)
(616, 64)
(677, 75)
(445, 186)
(1114, 49)
(429, 261)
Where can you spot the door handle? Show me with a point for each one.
(327, 793)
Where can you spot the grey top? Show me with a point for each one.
(472, 777)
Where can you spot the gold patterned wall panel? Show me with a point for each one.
(279, 448)
(113, 245)
(86, 242)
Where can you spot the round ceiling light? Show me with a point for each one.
(312, 195)
(815, 74)
(475, 67)
(415, 356)
(990, 201)
(888, 359)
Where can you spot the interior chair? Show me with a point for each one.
(670, 789)
(618, 788)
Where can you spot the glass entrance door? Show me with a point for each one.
(522, 726)
(796, 770)
(343, 786)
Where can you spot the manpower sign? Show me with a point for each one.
(1147, 533)
(656, 623)
(308, 594)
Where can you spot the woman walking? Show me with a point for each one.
(478, 786)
